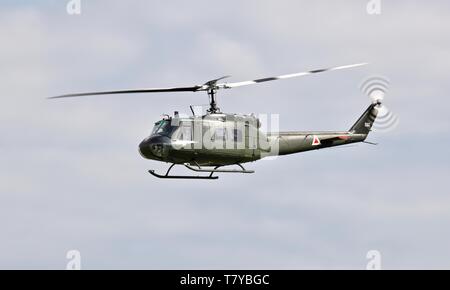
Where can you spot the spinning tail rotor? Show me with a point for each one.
(376, 89)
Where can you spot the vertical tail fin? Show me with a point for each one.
(365, 122)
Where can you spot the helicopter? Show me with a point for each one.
(212, 142)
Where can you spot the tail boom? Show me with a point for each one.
(295, 142)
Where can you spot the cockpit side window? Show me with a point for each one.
(163, 127)
(156, 127)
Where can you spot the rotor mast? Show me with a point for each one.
(211, 88)
(212, 92)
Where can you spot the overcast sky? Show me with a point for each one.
(71, 176)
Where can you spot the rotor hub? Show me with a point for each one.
(212, 101)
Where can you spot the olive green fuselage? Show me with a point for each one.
(225, 139)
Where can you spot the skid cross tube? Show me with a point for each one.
(202, 169)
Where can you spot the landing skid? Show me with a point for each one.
(199, 169)
(152, 172)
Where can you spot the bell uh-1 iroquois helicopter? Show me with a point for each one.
(207, 143)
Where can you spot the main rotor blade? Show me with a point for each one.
(211, 85)
(288, 76)
(213, 82)
(136, 91)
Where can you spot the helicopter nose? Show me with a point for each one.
(154, 147)
(144, 148)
